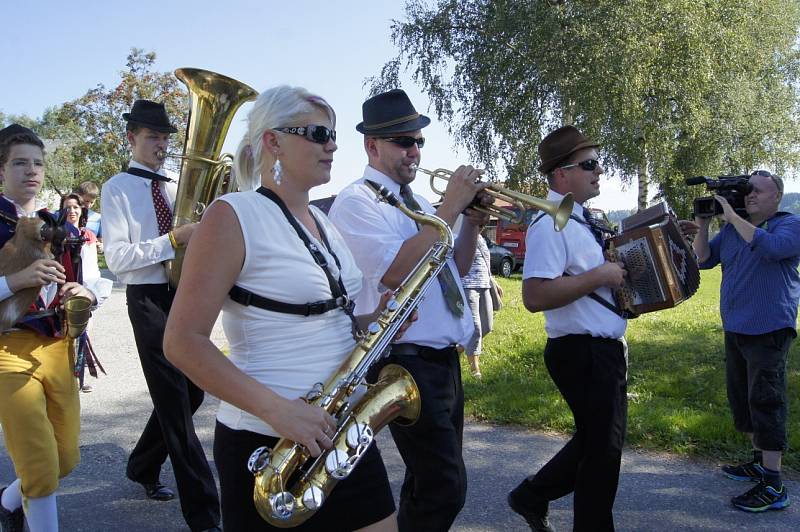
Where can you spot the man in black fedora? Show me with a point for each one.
(585, 353)
(387, 245)
(138, 234)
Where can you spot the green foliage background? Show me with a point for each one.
(671, 88)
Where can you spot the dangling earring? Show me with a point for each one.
(276, 172)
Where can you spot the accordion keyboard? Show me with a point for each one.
(642, 284)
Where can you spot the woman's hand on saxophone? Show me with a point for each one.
(309, 425)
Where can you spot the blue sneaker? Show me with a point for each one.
(761, 498)
(747, 472)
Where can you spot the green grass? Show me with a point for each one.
(676, 385)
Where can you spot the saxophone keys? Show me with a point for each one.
(337, 464)
(360, 434)
(258, 460)
(283, 504)
(313, 498)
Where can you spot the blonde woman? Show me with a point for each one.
(261, 242)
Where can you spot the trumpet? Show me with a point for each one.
(559, 211)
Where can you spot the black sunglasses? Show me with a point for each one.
(318, 134)
(406, 142)
(589, 165)
(775, 179)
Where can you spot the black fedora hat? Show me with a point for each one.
(389, 113)
(15, 130)
(151, 115)
(556, 147)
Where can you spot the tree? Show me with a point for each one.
(671, 88)
(92, 127)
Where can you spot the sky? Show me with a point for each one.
(328, 47)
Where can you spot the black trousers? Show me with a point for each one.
(435, 485)
(755, 370)
(363, 498)
(590, 373)
(170, 429)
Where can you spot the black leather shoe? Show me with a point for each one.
(158, 492)
(212, 529)
(532, 510)
(11, 521)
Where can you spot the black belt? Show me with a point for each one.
(415, 349)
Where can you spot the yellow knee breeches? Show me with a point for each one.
(39, 409)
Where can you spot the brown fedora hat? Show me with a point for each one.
(556, 147)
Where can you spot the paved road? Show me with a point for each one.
(657, 492)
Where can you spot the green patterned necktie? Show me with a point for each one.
(452, 296)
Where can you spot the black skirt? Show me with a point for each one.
(361, 499)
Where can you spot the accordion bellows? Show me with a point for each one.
(662, 268)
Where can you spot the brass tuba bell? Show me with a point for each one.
(205, 172)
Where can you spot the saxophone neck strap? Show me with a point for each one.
(340, 298)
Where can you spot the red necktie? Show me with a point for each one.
(163, 212)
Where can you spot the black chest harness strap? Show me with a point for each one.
(338, 291)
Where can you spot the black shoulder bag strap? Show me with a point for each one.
(624, 314)
(338, 290)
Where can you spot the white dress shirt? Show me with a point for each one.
(574, 250)
(374, 232)
(133, 248)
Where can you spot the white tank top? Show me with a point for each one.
(287, 353)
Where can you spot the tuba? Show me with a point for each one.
(205, 172)
(290, 485)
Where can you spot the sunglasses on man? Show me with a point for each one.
(406, 141)
(589, 165)
(775, 179)
(318, 134)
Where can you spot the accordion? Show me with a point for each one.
(662, 268)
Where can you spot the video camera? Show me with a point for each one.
(733, 188)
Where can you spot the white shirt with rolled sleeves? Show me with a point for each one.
(374, 232)
(574, 250)
(133, 249)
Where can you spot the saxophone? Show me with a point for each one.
(291, 485)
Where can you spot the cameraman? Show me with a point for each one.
(758, 304)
